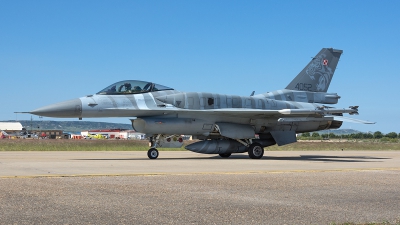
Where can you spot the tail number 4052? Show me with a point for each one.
(303, 87)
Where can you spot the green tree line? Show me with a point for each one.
(360, 135)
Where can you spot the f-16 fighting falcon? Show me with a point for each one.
(224, 124)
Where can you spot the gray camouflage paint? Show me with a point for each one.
(293, 109)
(317, 75)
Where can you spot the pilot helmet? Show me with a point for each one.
(128, 86)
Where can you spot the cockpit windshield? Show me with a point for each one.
(132, 87)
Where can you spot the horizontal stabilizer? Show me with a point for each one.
(352, 120)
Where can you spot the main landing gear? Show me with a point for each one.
(255, 150)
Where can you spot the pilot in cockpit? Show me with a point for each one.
(127, 86)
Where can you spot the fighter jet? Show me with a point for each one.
(224, 124)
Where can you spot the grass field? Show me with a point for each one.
(136, 145)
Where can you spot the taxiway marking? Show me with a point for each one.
(199, 173)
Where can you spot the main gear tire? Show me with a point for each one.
(256, 151)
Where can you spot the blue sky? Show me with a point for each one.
(52, 51)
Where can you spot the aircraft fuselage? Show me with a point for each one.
(225, 123)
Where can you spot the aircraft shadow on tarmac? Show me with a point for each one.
(160, 158)
(315, 158)
(320, 158)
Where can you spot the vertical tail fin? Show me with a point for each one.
(317, 75)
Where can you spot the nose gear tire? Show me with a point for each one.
(152, 153)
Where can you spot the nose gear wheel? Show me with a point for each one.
(152, 153)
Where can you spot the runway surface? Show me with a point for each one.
(320, 187)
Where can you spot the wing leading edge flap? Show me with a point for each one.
(284, 137)
(236, 131)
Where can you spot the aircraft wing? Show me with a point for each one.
(237, 112)
(254, 113)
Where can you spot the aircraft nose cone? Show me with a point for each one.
(67, 109)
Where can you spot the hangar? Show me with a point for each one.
(10, 126)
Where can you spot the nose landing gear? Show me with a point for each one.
(164, 141)
(152, 153)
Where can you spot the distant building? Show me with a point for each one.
(16, 129)
(132, 134)
(52, 134)
(10, 127)
(114, 133)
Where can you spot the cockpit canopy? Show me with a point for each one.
(132, 87)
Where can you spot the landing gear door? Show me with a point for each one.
(284, 137)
